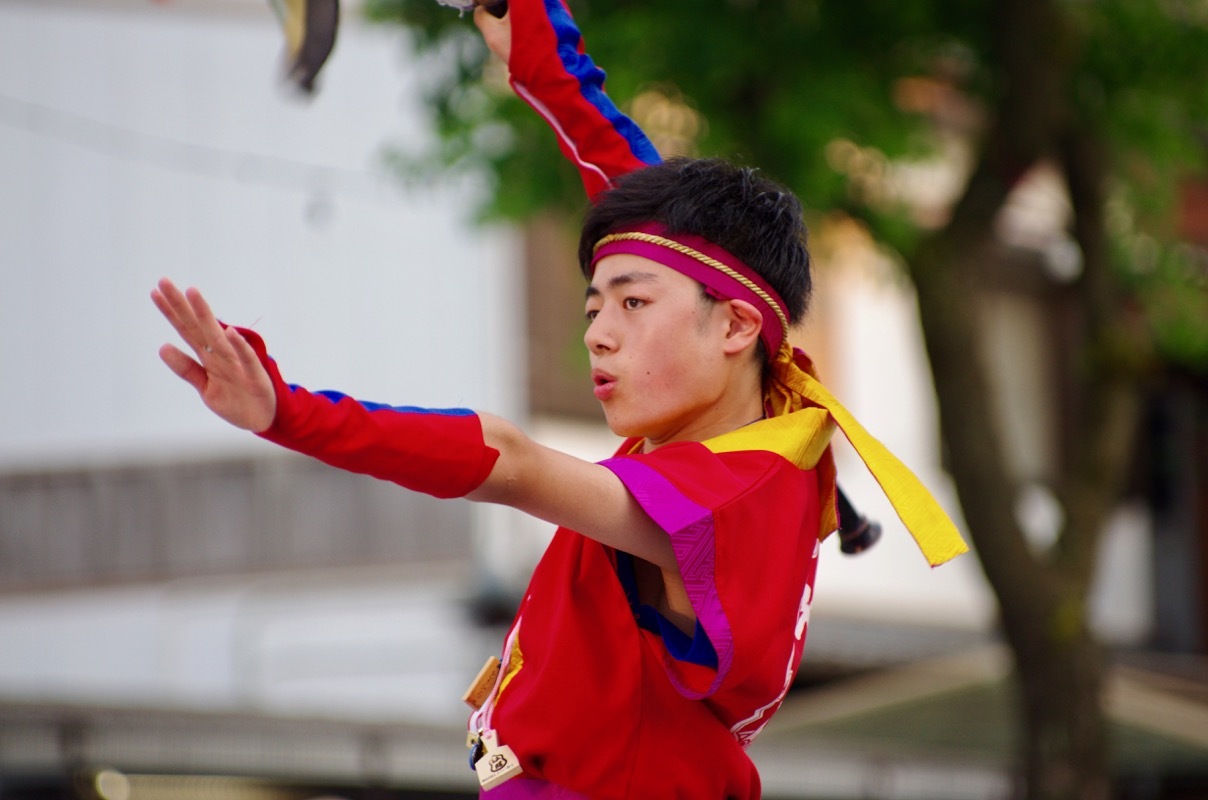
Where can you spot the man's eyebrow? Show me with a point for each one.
(624, 279)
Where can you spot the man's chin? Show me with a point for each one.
(622, 428)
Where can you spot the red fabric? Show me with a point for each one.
(550, 70)
(598, 705)
(441, 453)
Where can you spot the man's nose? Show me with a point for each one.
(598, 336)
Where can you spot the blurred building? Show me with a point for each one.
(152, 559)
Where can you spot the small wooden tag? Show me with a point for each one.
(498, 763)
(482, 686)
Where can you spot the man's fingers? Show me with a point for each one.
(186, 368)
(191, 316)
(496, 32)
(259, 384)
(208, 326)
(161, 297)
(483, 19)
(172, 303)
(243, 352)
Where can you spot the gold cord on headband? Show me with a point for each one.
(671, 244)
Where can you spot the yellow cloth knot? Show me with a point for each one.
(795, 387)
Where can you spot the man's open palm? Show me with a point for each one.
(226, 371)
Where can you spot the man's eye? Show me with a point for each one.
(632, 303)
(591, 315)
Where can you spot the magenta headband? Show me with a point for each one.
(723, 275)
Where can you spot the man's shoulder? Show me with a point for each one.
(706, 477)
(800, 437)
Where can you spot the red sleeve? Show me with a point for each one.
(440, 452)
(552, 73)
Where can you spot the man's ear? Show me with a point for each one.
(744, 323)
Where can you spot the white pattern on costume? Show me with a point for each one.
(746, 730)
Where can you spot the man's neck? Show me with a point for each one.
(728, 418)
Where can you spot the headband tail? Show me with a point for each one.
(933, 531)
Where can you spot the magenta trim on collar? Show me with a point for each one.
(690, 527)
(718, 283)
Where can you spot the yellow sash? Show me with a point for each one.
(802, 415)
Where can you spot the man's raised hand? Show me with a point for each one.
(496, 32)
(226, 371)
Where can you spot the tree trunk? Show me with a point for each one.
(1042, 598)
(1059, 667)
(1058, 664)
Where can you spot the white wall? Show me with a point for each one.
(142, 139)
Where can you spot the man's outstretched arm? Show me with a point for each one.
(442, 452)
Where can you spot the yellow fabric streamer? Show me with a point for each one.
(802, 415)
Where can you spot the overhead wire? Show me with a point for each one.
(202, 160)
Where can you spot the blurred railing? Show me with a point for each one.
(156, 521)
(125, 754)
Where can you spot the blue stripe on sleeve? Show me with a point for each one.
(591, 81)
(336, 397)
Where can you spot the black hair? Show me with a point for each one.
(750, 216)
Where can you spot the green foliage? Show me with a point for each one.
(1141, 82)
(778, 81)
(482, 128)
(1169, 284)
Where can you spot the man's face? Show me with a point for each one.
(656, 352)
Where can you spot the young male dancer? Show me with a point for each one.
(665, 622)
